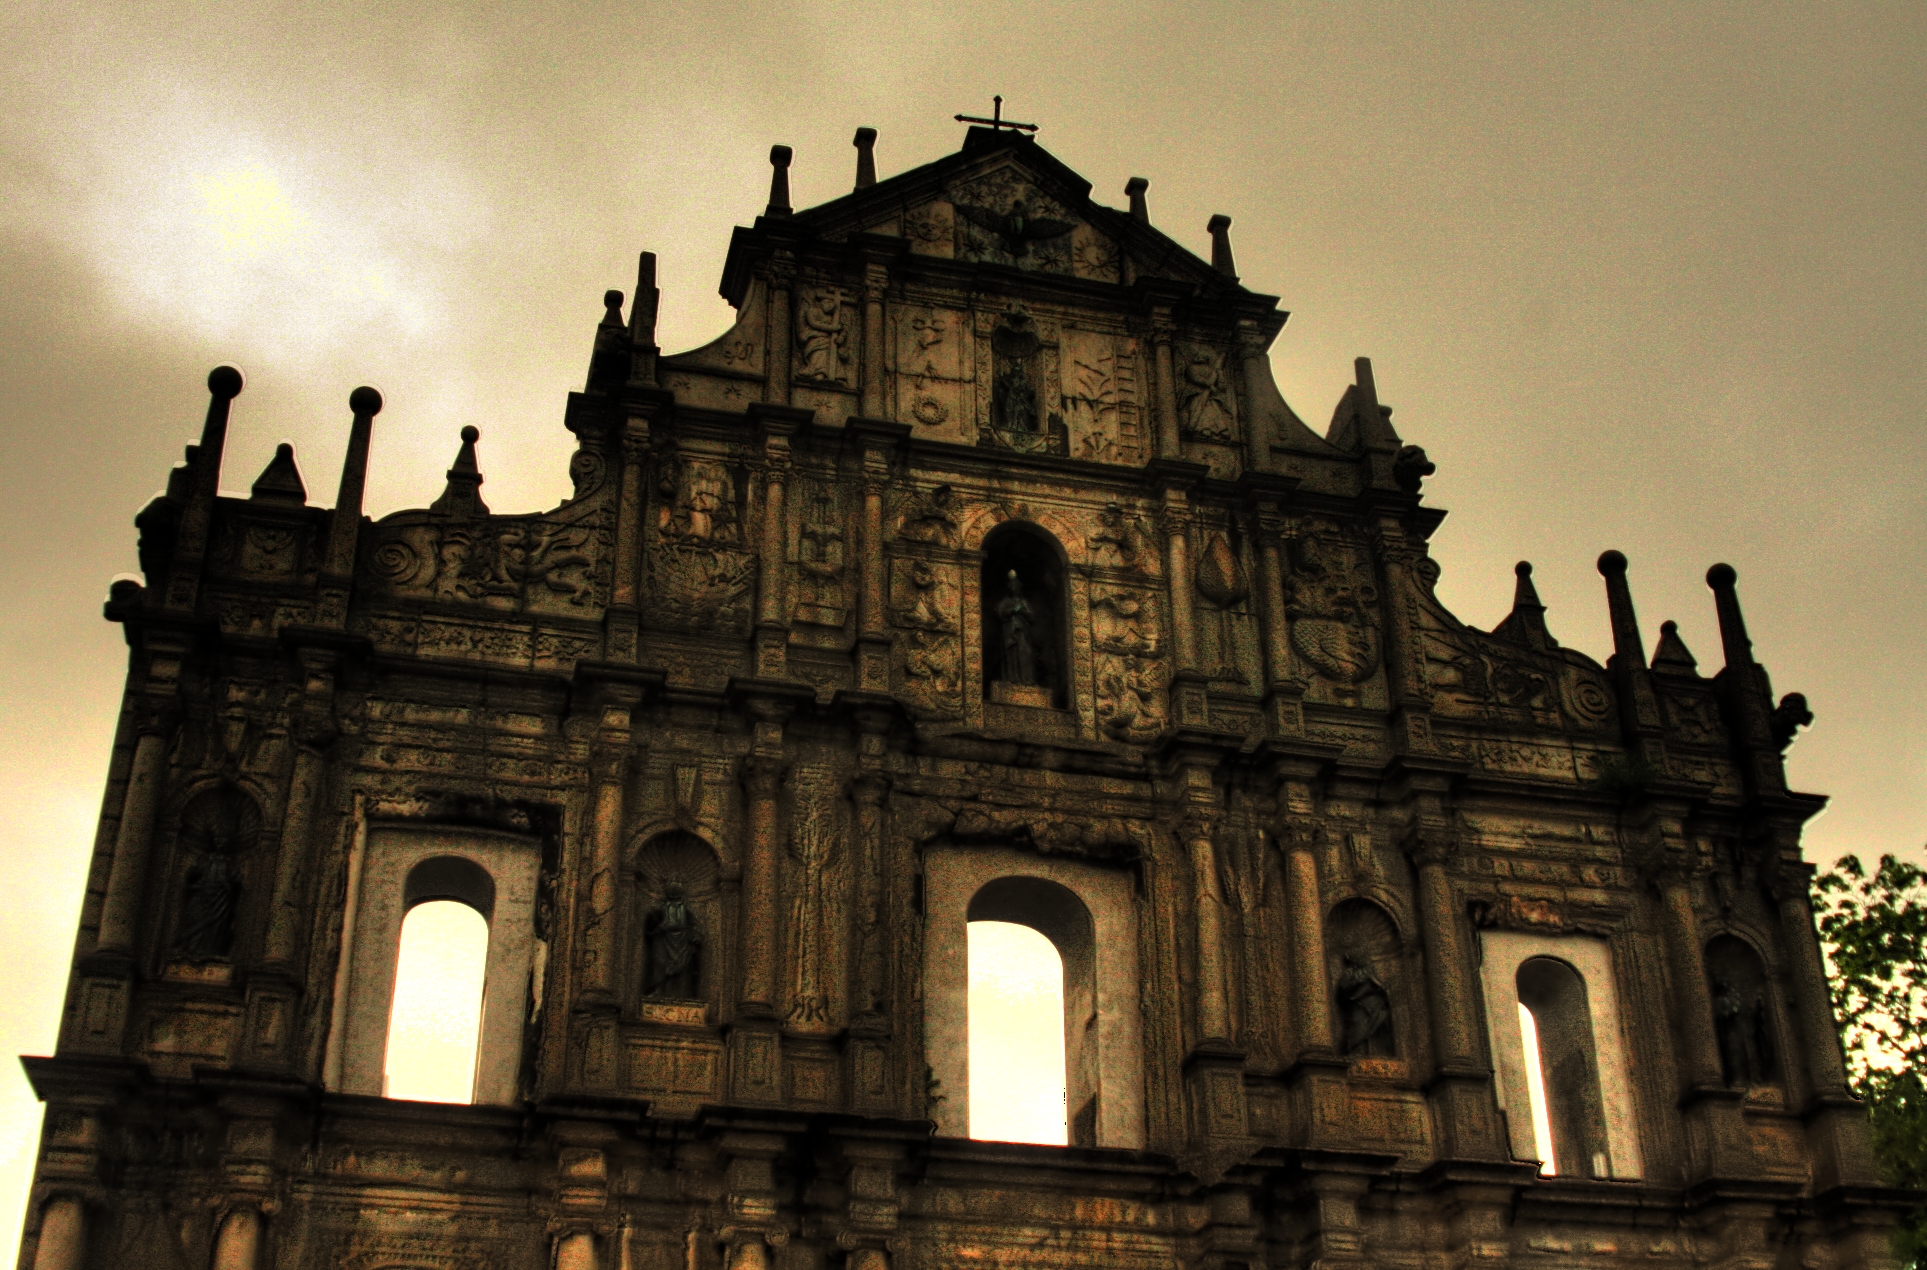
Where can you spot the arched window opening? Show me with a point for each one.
(1742, 1014)
(435, 1020)
(1016, 1012)
(1026, 651)
(1561, 1059)
(1536, 1092)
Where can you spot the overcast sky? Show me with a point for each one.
(1638, 276)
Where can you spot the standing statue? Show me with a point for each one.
(1016, 399)
(1738, 1029)
(1364, 1012)
(207, 907)
(675, 949)
(1020, 637)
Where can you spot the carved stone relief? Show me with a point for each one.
(1002, 218)
(821, 597)
(1222, 582)
(1100, 406)
(1022, 412)
(1331, 599)
(930, 366)
(929, 516)
(823, 344)
(1130, 671)
(817, 834)
(1121, 540)
(924, 606)
(701, 578)
(1206, 407)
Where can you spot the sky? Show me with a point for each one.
(1641, 276)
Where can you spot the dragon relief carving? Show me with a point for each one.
(701, 578)
(923, 605)
(1130, 668)
(1330, 597)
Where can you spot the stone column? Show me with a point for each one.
(1699, 1062)
(1305, 924)
(763, 778)
(238, 1245)
(1214, 1014)
(576, 1250)
(63, 1234)
(1169, 439)
(1284, 691)
(629, 511)
(782, 276)
(772, 596)
(1825, 1067)
(869, 791)
(1448, 971)
(875, 279)
(611, 768)
(286, 912)
(127, 879)
(873, 623)
(1177, 569)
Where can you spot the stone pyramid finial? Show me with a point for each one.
(463, 497)
(1671, 656)
(280, 480)
(866, 157)
(1526, 624)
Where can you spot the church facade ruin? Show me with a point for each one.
(979, 571)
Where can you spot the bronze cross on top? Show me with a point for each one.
(997, 120)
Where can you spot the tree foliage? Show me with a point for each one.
(1875, 929)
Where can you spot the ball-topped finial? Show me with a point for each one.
(1523, 568)
(612, 298)
(225, 382)
(365, 401)
(471, 434)
(1721, 575)
(1611, 562)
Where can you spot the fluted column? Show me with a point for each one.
(1169, 439)
(611, 767)
(763, 780)
(1214, 1014)
(782, 276)
(875, 278)
(126, 880)
(1448, 970)
(63, 1234)
(1700, 1061)
(870, 790)
(238, 1245)
(1305, 926)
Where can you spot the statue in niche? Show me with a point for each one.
(1019, 623)
(675, 945)
(209, 896)
(1741, 1030)
(1205, 405)
(1364, 1012)
(1014, 390)
(1016, 400)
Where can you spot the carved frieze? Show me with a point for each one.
(1131, 676)
(925, 600)
(821, 590)
(1001, 217)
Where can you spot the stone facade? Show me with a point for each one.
(1305, 839)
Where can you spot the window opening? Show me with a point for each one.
(1536, 1092)
(435, 1022)
(1560, 1047)
(1016, 1033)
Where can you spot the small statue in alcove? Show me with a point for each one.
(1019, 623)
(674, 943)
(1740, 1030)
(1364, 1012)
(208, 896)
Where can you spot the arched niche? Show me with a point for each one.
(404, 865)
(1589, 958)
(1744, 1027)
(1025, 630)
(216, 868)
(1556, 995)
(674, 870)
(1089, 914)
(1371, 998)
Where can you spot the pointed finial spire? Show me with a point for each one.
(1219, 227)
(365, 403)
(1526, 624)
(866, 157)
(612, 310)
(1671, 656)
(779, 182)
(1134, 190)
(463, 495)
(280, 481)
(1628, 647)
